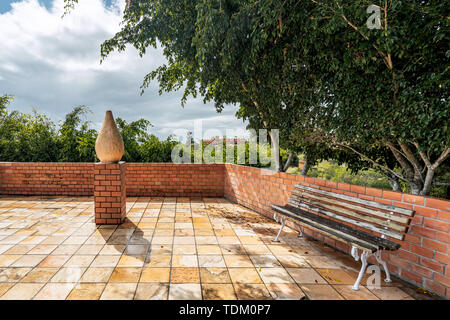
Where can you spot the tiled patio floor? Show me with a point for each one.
(170, 248)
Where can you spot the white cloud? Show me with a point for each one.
(53, 63)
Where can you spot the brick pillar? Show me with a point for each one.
(110, 192)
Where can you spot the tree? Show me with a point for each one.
(314, 64)
(76, 139)
(388, 87)
(229, 53)
(134, 134)
(25, 137)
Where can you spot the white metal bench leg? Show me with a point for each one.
(383, 263)
(355, 253)
(364, 257)
(300, 232)
(279, 232)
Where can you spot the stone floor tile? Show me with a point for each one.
(321, 262)
(119, 291)
(86, 291)
(306, 275)
(129, 275)
(244, 275)
(68, 275)
(336, 276)
(348, 293)
(252, 292)
(285, 291)
(185, 291)
(274, 275)
(292, 261)
(180, 249)
(158, 249)
(13, 274)
(22, 291)
(152, 291)
(320, 292)
(162, 260)
(184, 261)
(238, 261)
(105, 261)
(5, 287)
(66, 249)
(218, 292)
(40, 275)
(184, 275)
(214, 275)
(215, 261)
(79, 261)
(54, 261)
(265, 261)
(19, 249)
(116, 249)
(390, 293)
(204, 249)
(8, 259)
(28, 260)
(253, 249)
(155, 275)
(232, 249)
(97, 275)
(54, 291)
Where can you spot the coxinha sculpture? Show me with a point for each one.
(109, 145)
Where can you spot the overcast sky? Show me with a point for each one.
(53, 64)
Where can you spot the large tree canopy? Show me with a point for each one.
(315, 70)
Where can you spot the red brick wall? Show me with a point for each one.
(168, 179)
(110, 198)
(143, 179)
(23, 178)
(424, 256)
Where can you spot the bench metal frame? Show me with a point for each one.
(364, 256)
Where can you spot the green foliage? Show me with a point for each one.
(34, 138)
(155, 150)
(314, 70)
(26, 137)
(134, 134)
(76, 139)
(331, 170)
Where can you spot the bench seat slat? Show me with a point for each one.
(358, 223)
(369, 212)
(332, 232)
(344, 232)
(359, 201)
(346, 212)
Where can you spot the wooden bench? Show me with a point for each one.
(363, 224)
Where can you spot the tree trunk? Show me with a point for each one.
(275, 151)
(305, 167)
(395, 185)
(288, 161)
(427, 183)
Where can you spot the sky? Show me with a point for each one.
(52, 64)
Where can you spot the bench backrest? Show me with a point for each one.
(381, 218)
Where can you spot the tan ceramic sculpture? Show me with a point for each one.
(109, 145)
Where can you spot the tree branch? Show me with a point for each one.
(409, 170)
(412, 159)
(373, 162)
